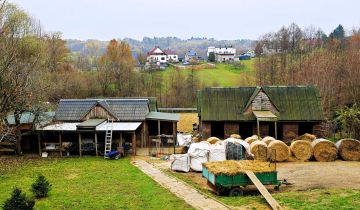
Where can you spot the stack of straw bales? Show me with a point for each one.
(324, 150)
(349, 149)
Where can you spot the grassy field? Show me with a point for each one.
(317, 199)
(225, 75)
(88, 183)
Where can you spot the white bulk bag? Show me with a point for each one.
(184, 140)
(217, 152)
(198, 155)
(180, 162)
(239, 141)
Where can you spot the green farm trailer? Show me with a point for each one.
(233, 184)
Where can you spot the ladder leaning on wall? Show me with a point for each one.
(108, 136)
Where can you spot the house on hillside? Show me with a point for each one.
(283, 112)
(157, 55)
(79, 127)
(222, 54)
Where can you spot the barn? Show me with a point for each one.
(280, 111)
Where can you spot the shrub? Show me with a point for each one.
(41, 187)
(18, 201)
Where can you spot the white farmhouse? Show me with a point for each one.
(223, 54)
(157, 55)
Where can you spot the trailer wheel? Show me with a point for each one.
(277, 188)
(237, 191)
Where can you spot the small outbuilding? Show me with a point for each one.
(280, 111)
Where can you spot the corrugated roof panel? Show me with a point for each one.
(295, 103)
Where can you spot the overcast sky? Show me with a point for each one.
(219, 19)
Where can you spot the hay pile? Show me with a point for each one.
(324, 150)
(186, 121)
(349, 149)
(268, 139)
(213, 140)
(259, 150)
(307, 137)
(196, 139)
(235, 136)
(251, 139)
(278, 151)
(180, 150)
(301, 149)
(232, 167)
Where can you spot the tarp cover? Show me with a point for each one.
(180, 162)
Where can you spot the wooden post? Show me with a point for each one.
(60, 142)
(174, 134)
(39, 143)
(134, 144)
(159, 128)
(121, 139)
(276, 130)
(80, 144)
(96, 143)
(258, 128)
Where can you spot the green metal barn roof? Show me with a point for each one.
(294, 103)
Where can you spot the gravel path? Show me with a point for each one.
(180, 189)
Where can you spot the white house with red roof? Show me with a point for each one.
(157, 55)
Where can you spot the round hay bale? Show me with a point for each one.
(349, 149)
(213, 140)
(324, 150)
(259, 150)
(278, 151)
(307, 137)
(301, 149)
(196, 139)
(268, 139)
(251, 139)
(235, 136)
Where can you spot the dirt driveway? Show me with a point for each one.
(320, 175)
(304, 175)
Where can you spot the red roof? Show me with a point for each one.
(165, 52)
(152, 52)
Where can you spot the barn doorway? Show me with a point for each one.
(246, 129)
(217, 129)
(305, 127)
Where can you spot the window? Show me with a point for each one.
(162, 58)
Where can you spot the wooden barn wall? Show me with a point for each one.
(98, 112)
(205, 130)
(290, 131)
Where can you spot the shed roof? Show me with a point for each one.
(124, 109)
(90, 123)
(119, 126)
(294, 103)
(163, 116)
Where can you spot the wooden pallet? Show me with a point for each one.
(264, 192)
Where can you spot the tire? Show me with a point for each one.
(277, 188)
(236, 192)
(117, 157)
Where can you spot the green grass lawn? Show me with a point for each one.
(224, 75)
(88, 183)
(317, 199)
